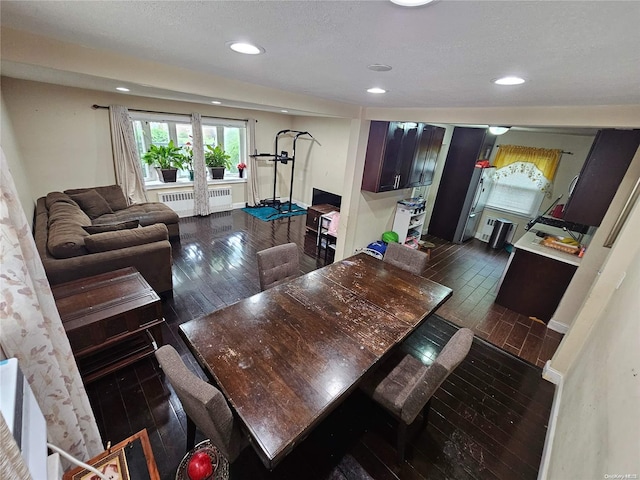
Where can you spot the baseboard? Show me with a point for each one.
(551, 374)
(557, 326)
(543, 471)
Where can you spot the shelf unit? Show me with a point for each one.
(408, 223)
(326, 240)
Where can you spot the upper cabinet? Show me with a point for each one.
(601, 174)
(400, 155)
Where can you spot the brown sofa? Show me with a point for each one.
(85, 232)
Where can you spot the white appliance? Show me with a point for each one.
(474, 203)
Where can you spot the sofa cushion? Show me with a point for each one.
(65, 232)
(111, 227)
(104, 242)
(92, 203)
(111, 193)
(147, 213)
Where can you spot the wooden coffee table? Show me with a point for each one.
(112, 320)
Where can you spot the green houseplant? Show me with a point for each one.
(217, 160)
(166, 159)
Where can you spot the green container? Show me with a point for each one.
(390, 237)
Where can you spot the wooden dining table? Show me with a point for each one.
(286, 357)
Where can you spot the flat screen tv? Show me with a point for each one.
(322, 196)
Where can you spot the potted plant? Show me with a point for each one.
(166, 160)
(217, 160)
(241, 167)
(188, 159)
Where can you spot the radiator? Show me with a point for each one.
(487, 229)
(182, 201)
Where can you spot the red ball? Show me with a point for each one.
(199, 466)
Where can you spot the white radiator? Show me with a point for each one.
(182, 201)
(487, 229)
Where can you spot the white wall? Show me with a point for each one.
(12, 153)
(598, 420)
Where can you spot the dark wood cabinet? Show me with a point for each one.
(466, 146)
(534, 285)
(313, 217)
(400, 155)
(601, 174)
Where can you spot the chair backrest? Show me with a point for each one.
(430, 379)
(413, 261)
(277, 265)
(203, 403)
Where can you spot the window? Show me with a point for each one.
(156, 129)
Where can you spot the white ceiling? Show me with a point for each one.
(443, 55)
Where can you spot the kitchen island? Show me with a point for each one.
(535, 278)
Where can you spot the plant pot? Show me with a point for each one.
(216, 173)
(191, 175)
(241, 172)
(167, 175)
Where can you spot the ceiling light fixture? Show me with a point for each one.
(216, 102)
(411, 3)
(379, 67)
(246, 48)
(376, 90)
(499, 130)
(284, 111)
(510, 80)
(122, 89)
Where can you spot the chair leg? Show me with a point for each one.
(191, 434)
(401, 441)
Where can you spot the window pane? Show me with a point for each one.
(183, 131)
(159, 133)
(232, 146)
(210, 135)
(138, 134)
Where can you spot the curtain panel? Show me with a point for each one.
(253, 195)
(125, 155)
(12, 465)
(31, 331)
(200, 188)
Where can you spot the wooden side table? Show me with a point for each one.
(112, 320)
(133, 454)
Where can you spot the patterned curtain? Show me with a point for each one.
(253, 196)
(201, 198)
(32, 332)
(11, 463)
(125, 155)
(523, 177)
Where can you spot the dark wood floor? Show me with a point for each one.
(488, 420)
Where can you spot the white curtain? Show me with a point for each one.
(125, 155)
(253, 195)
(32, 332)
(200, 194)
(12, 465)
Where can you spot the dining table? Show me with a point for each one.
(287, 357)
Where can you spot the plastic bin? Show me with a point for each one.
(501, 228)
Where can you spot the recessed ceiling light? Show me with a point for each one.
(411, 3)
(216, 102)
(376, 90)
(379, 67)
(498, 130)
(246, 48)
(510, 80)
(122, 89)
(284, 111)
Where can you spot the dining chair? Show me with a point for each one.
(413, 261)
(407, 389)
(204, 405)
(277, 265)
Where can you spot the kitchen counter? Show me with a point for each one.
(531, 243)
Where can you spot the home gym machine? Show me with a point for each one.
(284, 158)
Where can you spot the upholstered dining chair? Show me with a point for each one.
(406, 389)
(277, 265)
(413, 261)
(204, 405)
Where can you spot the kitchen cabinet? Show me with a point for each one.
(536, 278)
(400, 155)
(603, 170)
(466, 146)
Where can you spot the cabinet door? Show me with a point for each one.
(601, 174)
(424, 162)
(407, 153)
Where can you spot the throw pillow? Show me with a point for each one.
(92, 203)
(111, 193)
(111, 227)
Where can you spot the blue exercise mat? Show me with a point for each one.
(266, 214)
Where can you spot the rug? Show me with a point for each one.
(266, 214)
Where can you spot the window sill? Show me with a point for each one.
(157, 185)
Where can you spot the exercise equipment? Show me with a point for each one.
(284, 158)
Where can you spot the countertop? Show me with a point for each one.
(531, 243)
